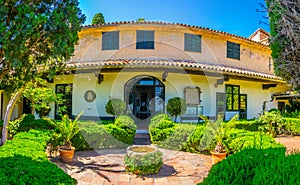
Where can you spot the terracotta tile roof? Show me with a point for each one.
(118, 23)
(170, 63)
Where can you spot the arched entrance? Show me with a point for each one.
(144, 96)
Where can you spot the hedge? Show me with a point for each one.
(23, 160)
(256, 166)
(292, 125)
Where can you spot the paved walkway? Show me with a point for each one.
(107, 167)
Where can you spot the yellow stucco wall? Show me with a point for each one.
(169, 44)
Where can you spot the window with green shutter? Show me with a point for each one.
(110, 40)
(232, 97)
(192, 42)
(144, 39)
(233, 50)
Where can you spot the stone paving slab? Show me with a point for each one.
(106, 167)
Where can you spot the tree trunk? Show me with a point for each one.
(11, 104)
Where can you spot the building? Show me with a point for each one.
(147, 63)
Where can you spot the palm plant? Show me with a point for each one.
(68, 128)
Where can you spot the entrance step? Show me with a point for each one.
(142, 138)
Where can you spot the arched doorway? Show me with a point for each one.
(144, 96)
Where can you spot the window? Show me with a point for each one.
(192, 42)
(66, 91)
(144, 39)
(232, 97)
(110, 40)
(233, 50)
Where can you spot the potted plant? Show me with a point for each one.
(216, 133)
(68, 129)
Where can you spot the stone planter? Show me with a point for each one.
(143, 159)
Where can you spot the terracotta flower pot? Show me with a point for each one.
(217, 157)
(66, 155)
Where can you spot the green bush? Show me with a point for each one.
(115, 107)
(124, 135)
(23, 160)
(179, 138)
(272, 123)
(144, 164)
(241, 139)
(243, 167)
(193, 144)
(162, 130)
(157, 119)
(251, 125)
(292, 125)
(176, 106)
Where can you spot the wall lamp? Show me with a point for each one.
(100, 77)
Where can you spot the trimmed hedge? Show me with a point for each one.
(160, 127)
(256, 166)
(23, 160)
(93, 135)
(251, 125)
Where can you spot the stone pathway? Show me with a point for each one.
(107, 167)
(292, 144)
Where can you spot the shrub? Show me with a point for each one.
(272, 123)
(157, 119)
(120, 134)
(145, 164)
(15, 126)
(176, 106)
(250, 125)
(24, 161)
(193, 144)
(243, 139)
(179, 138)
(115, 107)
(243, 167)
(292, 125)
(162, 130)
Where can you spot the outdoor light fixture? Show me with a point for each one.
(164, 76)
(100, 77)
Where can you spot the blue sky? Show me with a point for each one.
(234, 16)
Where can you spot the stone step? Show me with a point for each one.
(141, 141)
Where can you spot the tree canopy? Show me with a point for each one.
(98, 19)
(285, 38)
(34, 36)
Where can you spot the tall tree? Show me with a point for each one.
(98, 19)
(35, 36)
(285, 38)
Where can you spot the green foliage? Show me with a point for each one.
(239, 140)
(162, 130)
(67, 128)
(36, 37)
(292, 125)
(124, 135)
(140, 20)
(115, 107)
(98, 19)
(24, 161)
(179, 138)
(293, 106)
(157, 119)
(144, 164)
(18, 125)
(176, 106)
(256, 166)
(193, 143)
(217, 133)
(41, 96)
(272, 123)
(251, 125)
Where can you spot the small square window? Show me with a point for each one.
(233, 50)
(144, 39)
(192, 42)
(110, 40)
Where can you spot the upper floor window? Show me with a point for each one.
(232, 97)
(144, 39)
(192, 42)
(110, 40)
(233, 50)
